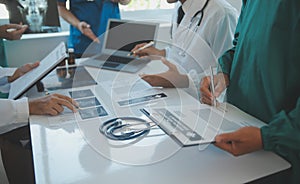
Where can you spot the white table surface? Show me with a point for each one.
(66, 150)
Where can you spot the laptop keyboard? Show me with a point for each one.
(115, 59)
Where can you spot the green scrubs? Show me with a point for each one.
(2, 54)
(264, 69)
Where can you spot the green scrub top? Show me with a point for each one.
(3, 61)
(264, 69)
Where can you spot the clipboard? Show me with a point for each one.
(20, 86)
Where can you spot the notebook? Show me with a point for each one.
(120, 38)
(20, 86)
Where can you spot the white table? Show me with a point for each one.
(68, 151)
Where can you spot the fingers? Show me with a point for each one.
(57, 109)
(28, 67)
(228, 142)
(96, 40)
(51, 105)
(14, 26)
(221, 83)
(227, 137)
(137, 47)
(57, 102)
(21, 29)
(31, 66)
(67, 102)
(137, 52)
(84, 25)
(158, 80)
(149, 79)
(245, 140)
(206, 96)
(87, 31)
(170, 65)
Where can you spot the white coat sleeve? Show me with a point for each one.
(222, 33)
(4, 85)
(13, 113)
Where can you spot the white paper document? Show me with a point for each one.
(191, 125)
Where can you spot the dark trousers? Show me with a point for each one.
(17, 156)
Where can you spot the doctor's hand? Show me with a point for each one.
(51, 105)
(169, 79)
(22, 70)
(242, 141)
(85, 29)
(150, 51)
(221, 81)
(12, 31)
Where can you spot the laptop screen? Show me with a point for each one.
(124, 35)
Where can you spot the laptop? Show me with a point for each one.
(120, 38)
(20, 86)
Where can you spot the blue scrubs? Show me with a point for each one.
(96, 13)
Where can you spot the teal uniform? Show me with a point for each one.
(264, 69)
(3, 61)
(96, 13)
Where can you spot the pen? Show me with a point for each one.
(212, 86)
(141, 48)
(14, 29)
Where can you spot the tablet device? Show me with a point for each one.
(24, 83)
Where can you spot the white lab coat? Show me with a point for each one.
(194, 50)
(13, 113)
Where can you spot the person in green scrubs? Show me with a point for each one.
(261, 73)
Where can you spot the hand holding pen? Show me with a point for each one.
(146, 49)
(12, 31)
(212, 86)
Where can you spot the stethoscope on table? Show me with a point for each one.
(125, 128)
(195, 20)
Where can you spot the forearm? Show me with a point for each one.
(283, 131)
(15, 113)
(67, 15)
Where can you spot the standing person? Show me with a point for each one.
(88, 20)
(14, 131)
(210, 23)
(261, 73)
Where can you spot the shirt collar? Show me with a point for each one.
(190, 7)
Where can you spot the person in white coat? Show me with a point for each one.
(203, 34)
(14, 130)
